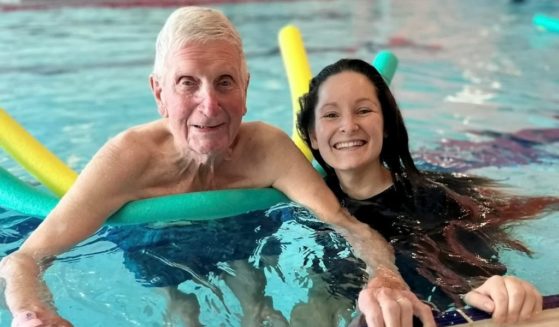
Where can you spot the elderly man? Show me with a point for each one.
(199, 82)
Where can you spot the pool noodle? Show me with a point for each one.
(34, 157)
(386, 63)
(546, 22)
(298, 74)
(189, 206)
(19, 196)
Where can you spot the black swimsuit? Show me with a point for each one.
(402, 220)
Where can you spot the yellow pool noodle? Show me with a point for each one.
(298, 75)
(34, 157)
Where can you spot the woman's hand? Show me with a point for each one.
(507, 298)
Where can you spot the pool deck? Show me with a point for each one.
(548, 318)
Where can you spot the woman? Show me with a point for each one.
(444, 227)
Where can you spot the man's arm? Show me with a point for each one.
(297, 179)
(98, 192)
(386, 298)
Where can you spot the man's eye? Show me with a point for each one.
(185, 81)
(225, 82)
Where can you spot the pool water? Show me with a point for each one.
(477, 83)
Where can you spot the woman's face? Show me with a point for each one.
(348, 128)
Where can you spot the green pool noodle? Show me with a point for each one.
(22, 197)
(546, 22)
(386, 63)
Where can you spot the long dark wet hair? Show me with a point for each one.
(484, 210)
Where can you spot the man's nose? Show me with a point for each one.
(209, 104)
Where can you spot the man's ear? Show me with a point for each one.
(314, 141)
(156, 89)
(246, 92)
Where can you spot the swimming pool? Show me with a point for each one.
(75, 76)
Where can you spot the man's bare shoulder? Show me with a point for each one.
(260, 132)
(266, 143)
(135, 145)
(145, 135)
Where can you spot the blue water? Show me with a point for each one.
(75, 76)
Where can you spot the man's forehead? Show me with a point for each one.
(208, 47)
(199, 58)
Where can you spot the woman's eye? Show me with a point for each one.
(330, 115)
(364, 110)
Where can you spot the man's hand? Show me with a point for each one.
(27, 296)
(507, 298)
(387, 302)
(40, 318)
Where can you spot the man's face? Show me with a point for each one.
(203, 94)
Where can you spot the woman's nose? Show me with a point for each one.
(349, 125)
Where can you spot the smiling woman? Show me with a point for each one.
(445, 228)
